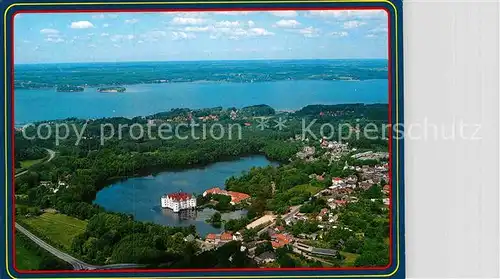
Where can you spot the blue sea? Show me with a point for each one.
(33, 105)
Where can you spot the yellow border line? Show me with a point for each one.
(396, 90)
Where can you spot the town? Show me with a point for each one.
(264, 235)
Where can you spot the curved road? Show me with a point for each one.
(52, 154)
(76, 263)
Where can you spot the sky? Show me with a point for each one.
(178, 36)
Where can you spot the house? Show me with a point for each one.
(237, 236)
(386, 189)
(352, 179)
(236, 197)
(324, 252)
(226, 237)
(340, 202)
(387, 201)
(279, 229)
(337, 182)
(212, 238)
(280, 240)
(45, 183)
(365, 185)
(322, 214)
(189, 238)
(266, 257)
(178, 201)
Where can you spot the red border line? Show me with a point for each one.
(391, 227)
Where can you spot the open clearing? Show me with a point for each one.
(59, 228)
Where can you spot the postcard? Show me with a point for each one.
(229, 139)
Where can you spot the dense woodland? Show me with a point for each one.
(117, 238)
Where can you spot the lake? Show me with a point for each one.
(145, 99)
(140, 196)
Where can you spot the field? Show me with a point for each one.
(28, 163)
(59, 228)
(305, 188)
(350, 258)
(26, 258)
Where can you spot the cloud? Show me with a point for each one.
(284, 13)
(105, 25)
(199, 29)
(287, 23)
(227, 24)
(233, 13)
(187, 21)
(251, 23)
(353, 24)
(239, 33)
(112, 15)
(131, 21)
(92, 46)
(120, 38)
(54, 39)
(98, 16)
(81, 24)
(378, 31)
(153, 35)
(350, 14)
(258, 32)
(49, 31)
(104, 34)
(117, 46)
(182, 36)
(339, 34)
(309, 32)
(185, 14)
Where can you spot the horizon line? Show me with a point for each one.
(203, 60)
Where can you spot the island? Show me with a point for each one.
(69, 88)
(117, 89)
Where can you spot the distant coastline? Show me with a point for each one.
(42, 76)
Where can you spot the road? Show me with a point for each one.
(284, 217)
(52, 154)
(76, 263)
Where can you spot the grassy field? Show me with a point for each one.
(28, 163)
(306, 188)
(350, 258)
(26, 258)
(59, 228)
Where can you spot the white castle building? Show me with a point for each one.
(178, 201)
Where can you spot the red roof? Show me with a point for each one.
(340, 202)
(387, 187)
(226, 236)
(236, 197)
(181, 196)
(280, 228)
(282, 238)
(323, 211)
(336, 179)
(211, 236)
(277, 244)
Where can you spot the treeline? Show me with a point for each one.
(117, 238)
(44, 259)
